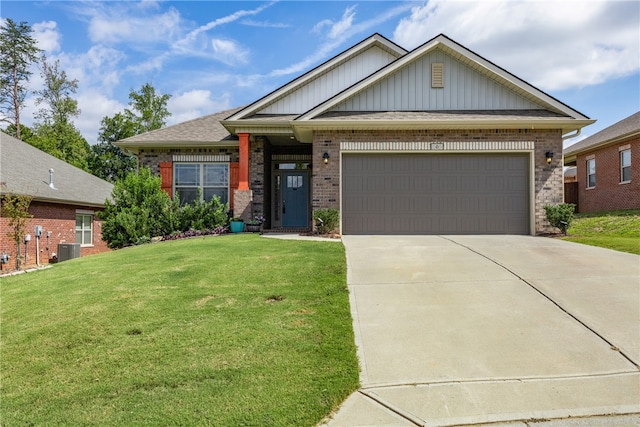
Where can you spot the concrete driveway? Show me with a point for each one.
(456, 330)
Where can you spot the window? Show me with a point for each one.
(84, 229)
(625, 165)
(591, 173)
(206, 179)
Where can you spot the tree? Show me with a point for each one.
(107, 160)
(139, 210)
(149, 110)
(55, 133)
(18, 51)
(56, 95)
(16, 208)
(64, 141)
(25, 132)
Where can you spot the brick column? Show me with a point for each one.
(244, 161)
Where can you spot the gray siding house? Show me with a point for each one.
(437, 140)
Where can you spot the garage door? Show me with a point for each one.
(435, 194)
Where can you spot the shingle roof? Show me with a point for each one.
(624, 127)
(24, 170)
(202, 129)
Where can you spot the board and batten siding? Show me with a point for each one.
(409, 89)
(331, 83)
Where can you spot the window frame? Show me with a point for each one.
(201, 175)
(82, 230)
(624, 167)
(589, 174)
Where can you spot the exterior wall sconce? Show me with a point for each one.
(549, 156)
(325, 158)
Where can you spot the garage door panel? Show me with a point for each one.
(435, 194)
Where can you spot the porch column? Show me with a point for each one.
(243, 183)
(243, 196)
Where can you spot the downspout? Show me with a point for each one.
(573, 135)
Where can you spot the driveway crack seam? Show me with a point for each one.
(400, 412)
(532, 286)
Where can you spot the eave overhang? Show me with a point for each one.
(571, 158)
(137, 147)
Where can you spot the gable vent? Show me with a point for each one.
(437, 74)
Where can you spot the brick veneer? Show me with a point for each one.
(60, 220)
(609, 193)
(548, 178)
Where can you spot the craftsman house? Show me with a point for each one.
(64, 202)
(437, 140)
(607, 167)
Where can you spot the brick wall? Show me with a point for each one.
(609, 193)
(548, 178)
(152, 158)
(58, 219)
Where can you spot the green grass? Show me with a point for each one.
(229, 331)
(618, 230)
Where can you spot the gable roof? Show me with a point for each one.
(468, 57)
(196, 132)
(24, 170)
(623, 129)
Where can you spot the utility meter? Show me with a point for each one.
(4, 259)
(38, 230)
(27, 238)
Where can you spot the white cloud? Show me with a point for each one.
(554, 46)
(47, 35)
(195, 103)
(229, 52)
(264, 24)
(337, 29)
(94, 106)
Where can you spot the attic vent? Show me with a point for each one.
(437, 74)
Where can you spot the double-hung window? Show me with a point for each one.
(204, 180)
(84, 229)
(625, 165)
(591, 173)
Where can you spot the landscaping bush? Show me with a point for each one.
(326, 220)
(200, 215)
(560, 216)
(138, 210)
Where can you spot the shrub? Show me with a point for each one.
(326, 220)
(560, 216)
(138, 211)
(200, 215)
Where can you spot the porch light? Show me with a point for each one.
(549, 156)
(325, 158)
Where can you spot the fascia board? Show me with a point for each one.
(316, 72)
(136, 146)
(602, 144)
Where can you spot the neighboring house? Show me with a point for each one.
(65, 200)
(608, 167)
(437, 140)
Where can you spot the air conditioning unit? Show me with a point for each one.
(68, 251)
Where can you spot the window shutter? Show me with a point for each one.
(166, 175)
(234, 180)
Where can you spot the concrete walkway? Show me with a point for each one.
(461, 330)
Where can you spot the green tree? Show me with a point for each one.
(54, 132)
(148, 110)
(138, 211)
(56, 95)
(16, 208)
(25, 132)
(18, 50)
(107, 160)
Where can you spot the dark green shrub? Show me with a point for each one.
(560, 216)
(326, 220)
(201, 215)
(138, 210)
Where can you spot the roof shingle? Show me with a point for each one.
(623, 127)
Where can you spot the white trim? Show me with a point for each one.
(438, 146)
(201, 158)
(84, 212)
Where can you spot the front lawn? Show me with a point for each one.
(229, 331)
(619, 230)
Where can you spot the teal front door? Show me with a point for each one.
(295, 199)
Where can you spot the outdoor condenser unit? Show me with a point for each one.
(68, 251)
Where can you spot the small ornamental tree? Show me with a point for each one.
(16, 208)
(138, 211)
(560, 216)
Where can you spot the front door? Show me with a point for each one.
(295, 198)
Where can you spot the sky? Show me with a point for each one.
(214, 55)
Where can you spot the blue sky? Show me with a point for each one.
(214, 55)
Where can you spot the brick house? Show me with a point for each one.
(437, 140)
(608, 167)
(65, 200)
